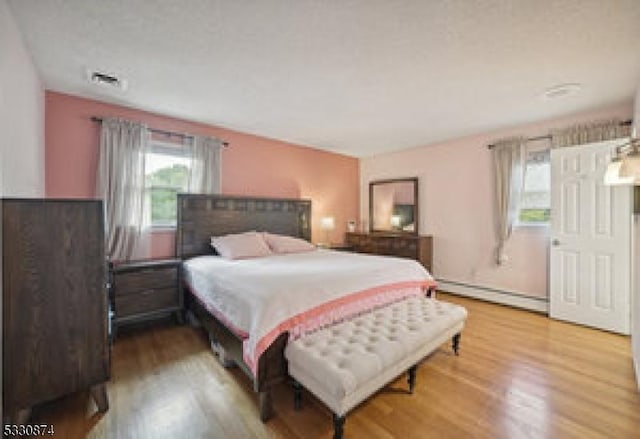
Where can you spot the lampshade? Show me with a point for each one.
(395, 221)
(612, 176)
(327, 223)
(631, 167)
(624, 169)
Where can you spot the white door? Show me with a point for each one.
(590, 252)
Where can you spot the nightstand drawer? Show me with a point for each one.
(149, 300)
(141, 280)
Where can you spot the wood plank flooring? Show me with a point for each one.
(519, 375)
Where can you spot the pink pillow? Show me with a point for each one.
(287, 244)
(241, 245)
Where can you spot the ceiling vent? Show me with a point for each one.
(107, 80)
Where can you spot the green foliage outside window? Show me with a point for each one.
(164, 185)
(535, 215)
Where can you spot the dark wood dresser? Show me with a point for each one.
(55, 320)
(415, 247)
(143, 290)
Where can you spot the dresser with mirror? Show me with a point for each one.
(394, 223)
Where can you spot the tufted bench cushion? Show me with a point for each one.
(346, 363)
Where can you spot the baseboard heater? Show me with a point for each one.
(495, 295)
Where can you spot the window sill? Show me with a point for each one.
(532, 225)
(162, 229)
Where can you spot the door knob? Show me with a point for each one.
(555, 242)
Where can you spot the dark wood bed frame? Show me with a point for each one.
(202, 216)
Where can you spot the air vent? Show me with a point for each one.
(106, 80)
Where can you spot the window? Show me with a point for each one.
(535, 205)
(167, 169)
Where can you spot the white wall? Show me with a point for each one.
(21, 114)
(21, 123)
(457, 207)
(635, 300)
(635, 313)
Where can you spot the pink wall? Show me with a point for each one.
(456, 206)
(252, 165)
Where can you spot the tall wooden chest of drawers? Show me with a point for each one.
(55, 318)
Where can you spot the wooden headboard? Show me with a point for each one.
(202, 216)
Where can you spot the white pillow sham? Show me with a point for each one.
(241, 245)
(287, 244)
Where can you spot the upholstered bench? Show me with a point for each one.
(346, 363)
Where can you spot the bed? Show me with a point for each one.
(252, 307)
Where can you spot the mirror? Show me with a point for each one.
(393, 206)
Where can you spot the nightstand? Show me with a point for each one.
(143, 290)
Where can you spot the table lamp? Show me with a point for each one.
(327, 223)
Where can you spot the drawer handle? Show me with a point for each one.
(147, 292)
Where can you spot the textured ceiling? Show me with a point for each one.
(357, 77)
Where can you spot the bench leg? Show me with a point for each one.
(266, 406)
(338, 426)
(456, 344)
(412, 378)
(297, 395)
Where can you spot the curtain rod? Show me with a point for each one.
(548, 136)
(164, 132)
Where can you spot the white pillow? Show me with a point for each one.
(287, 244)
(241, 245)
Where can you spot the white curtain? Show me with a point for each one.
(509, 166)
(589, 133)
(120, 183)
(206, 166)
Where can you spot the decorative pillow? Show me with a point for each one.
(241, 245)
(287, 244)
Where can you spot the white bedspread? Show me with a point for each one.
(262, 297)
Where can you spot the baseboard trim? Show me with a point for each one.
(636, 363)
(495, 295)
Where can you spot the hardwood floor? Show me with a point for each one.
(519, 375)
